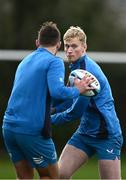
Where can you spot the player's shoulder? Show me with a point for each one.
(92, 66)
(95, 69)
(91, 61)
(56, 60)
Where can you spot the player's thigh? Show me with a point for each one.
(108, 152)
(70, 160)
(22, 166)
(12, 147)
(51, 171)
(41, 154)
(39, 151)
(110, 169)
(24, 170)
(109, 149)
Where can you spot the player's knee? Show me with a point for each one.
(25, 176)
(49, 177)
(64, 175)
(24, 170)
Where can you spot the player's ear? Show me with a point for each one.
(84, 47)
(37, 43)
(59, 45)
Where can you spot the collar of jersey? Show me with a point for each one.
(76, 64)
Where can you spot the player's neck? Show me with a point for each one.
(52, 49)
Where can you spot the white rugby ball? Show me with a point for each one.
(80, 73)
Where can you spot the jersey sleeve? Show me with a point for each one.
(61, 105)
(74, 112)
(55, 78)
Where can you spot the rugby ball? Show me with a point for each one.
(80, 73)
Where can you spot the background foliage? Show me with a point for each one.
(103, 21)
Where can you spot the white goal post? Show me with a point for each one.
(101, 57)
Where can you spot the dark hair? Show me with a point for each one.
(49, 34)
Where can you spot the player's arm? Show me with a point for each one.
(73, 113)
(55, 78)
(61, 106)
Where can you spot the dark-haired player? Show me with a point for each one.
(26, 124)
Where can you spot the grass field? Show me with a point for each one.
(89, 171)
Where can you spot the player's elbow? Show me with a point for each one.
(59, 93)
(56, 94)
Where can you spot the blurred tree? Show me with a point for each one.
(99, 19)
(6, 24)
(103, 21)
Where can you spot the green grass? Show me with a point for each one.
(88, 171)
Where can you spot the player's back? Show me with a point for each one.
(26, 107)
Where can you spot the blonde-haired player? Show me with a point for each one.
(99, 132)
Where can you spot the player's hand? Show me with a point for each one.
(53, 110)
(84, 84)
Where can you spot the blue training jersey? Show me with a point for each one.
(97, 114)
(39, 76)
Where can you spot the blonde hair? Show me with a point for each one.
(75, 31)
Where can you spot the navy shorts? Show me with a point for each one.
(38, 151)
(108, 149)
